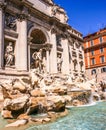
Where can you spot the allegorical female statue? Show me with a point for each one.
(9, 55)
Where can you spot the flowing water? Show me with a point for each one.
(79, 118)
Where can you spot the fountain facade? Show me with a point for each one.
(27, 41)
(41, 62)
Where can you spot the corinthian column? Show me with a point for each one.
(22, 43)
(1, 33)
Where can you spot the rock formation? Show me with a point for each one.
(44, 93)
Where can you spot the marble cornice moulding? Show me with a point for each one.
(10, 33)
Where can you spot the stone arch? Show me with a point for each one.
(41, 30)
(38, 39)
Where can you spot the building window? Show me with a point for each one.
(93, 61)
(103, 70)
(91, 43)
(102, 59)
(101, 50)
(58, 40)
(93, 71)
(92, 52)
(100, 40)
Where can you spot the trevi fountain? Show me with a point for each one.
(42, 71)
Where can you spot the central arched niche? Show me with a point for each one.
(38, 37)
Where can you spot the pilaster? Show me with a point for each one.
(65, 64)
(48, 60)
(53, 54)
(1, 33)
(22, 43)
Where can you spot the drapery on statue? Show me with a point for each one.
(38, 63)
(59, 63)
(9, 55)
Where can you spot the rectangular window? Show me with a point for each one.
(92, 52)
(102, 59)
(100, 40)
(101, 50)
(93, 71)
(91, 43)
(93, 61)
(103, 70)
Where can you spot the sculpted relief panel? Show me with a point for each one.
(10, 21)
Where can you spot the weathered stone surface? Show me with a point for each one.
(33, 105)
(6, 114)
(57, 103)
(82, 96)
(17, 123)
(23, 116)
(60, 90)
(37, 120)
(102, 95)
(76, 103)
(37, 93)
(49, 95)
(1, 94)
(46, 119)
(16, 104)
(19, 86)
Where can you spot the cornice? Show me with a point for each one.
(95, 46)
(92, 37)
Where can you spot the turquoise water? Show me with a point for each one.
(3, 122)
(79, 118)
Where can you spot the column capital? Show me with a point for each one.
(21, 17)
(54, 29)
(65, 35)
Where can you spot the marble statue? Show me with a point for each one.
(38, 63)
(59, 63)
(9, 55)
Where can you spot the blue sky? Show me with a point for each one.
(86, 16)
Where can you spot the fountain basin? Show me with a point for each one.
(79, 118)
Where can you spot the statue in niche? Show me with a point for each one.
(75, 63)
(9, 55)
(59, 63)
(38, 63)
(81, 65)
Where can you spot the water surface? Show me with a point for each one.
(3, 122)
(79, 118)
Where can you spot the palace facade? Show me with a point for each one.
(28, 26)
(95, 55)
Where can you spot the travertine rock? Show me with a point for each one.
(17, 123)
(6, 114)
